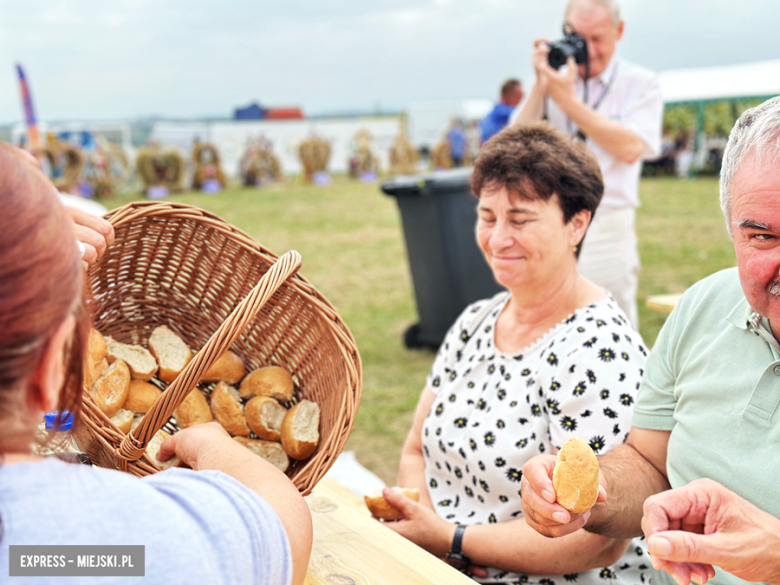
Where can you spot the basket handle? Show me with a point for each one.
(132, 446)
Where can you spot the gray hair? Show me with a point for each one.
(756, 131)
(611, 5)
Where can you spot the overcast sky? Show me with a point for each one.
(92, 59)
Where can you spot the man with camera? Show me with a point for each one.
(616, 108)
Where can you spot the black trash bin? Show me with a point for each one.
(439, 214)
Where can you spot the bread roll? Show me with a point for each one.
(96, 346)
(141, 396)
(264, 415)
(381, 508)
(141, 363)
(301, 429)
(110, 390)
(576, 476)
(171, 353)
(228, 411)
(193, 410)
(270, 381)
(123, 419)
(153, 449)
(271, 452)
(93, 370)
(228, 368)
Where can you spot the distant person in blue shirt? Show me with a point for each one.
(497, 119)
(456, 139)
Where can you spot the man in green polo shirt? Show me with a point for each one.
(709, 404)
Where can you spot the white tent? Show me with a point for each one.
(760, 79)
(699, 86)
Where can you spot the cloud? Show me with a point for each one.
(129, 58)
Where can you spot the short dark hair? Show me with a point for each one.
(509, 86)
(537, 162)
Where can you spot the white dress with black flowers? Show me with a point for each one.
(493, 411)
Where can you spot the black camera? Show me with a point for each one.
(572, 45)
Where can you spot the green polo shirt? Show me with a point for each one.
(713, 380)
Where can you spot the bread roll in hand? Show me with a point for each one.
(153, 450)
(576, 476)
(381, 508)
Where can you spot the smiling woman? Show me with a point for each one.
(519, 374)
(537, 194)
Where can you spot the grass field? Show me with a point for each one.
(352, 244)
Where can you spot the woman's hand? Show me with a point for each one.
(425, 528)
(94, 233)
(189, 444)
(420, 524)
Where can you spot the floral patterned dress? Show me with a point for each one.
(493, 411)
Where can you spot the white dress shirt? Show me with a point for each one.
(631, 96)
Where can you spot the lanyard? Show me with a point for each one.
(595, 106)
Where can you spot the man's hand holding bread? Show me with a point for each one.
(541, 502)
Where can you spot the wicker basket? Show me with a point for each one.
(177, 265)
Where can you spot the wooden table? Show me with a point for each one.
(351, 548)
(663, 303)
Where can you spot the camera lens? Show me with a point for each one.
(559, 53)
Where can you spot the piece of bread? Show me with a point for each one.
(96, 346)
(93, 370)
(576, 476)
(228, 411)
(193, 410)
(170, 351)
(137, 420)
(141, 396)
(268, 450)
(153, 449)
(270, 381)
(141, 363)
(123, 419)
(265, 416)
(381, 508)
(110, 390)
(228, 368)
(301, 429)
